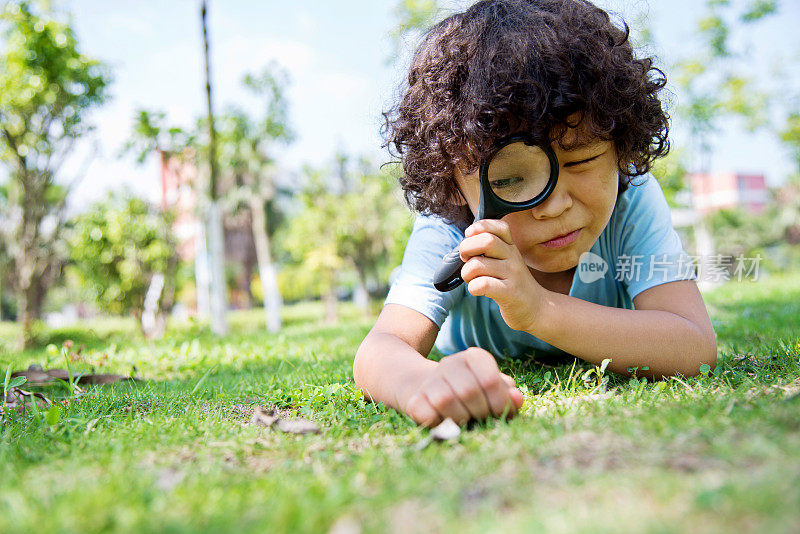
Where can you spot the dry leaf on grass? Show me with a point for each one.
(297, 426)
(20, 400)
(269, 418)
(37, 376)
(263, 417)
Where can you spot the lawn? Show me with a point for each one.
(591, 451)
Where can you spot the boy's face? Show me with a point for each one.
(579, 207)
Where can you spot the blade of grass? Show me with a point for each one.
(201, 381)
(6, 381)
(65, 352)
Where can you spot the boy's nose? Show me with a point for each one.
(559, 201)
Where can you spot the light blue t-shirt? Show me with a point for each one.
(637, 250)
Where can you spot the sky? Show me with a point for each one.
(335, 53)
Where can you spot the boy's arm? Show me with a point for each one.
(669, 331)
(390, 367)
(391, 357)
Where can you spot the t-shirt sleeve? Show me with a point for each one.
(650, 251)
(412, 287)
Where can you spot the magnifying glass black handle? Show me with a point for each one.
(448, 276)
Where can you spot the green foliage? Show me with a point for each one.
(791, 136)
(671, 173)
(715, 78)
(411, 16)
(46, 84)
(740, 233)
(270, 85)
(47, 87)
(360, 227)
(116, 247)
(758, 9)
(151, 134)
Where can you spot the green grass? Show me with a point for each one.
(590, 451)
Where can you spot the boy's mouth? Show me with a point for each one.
(562, 240)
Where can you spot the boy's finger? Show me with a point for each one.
(497, 227)
(486, 286)
(445, 401)
(516, 397)
(510, 381)
(494, 387)
(456, 410)
(467, 388)
(482, 266)
(422, 411)
(484, 244)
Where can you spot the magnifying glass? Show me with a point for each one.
(518, 176)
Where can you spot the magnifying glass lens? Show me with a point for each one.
(519, 172)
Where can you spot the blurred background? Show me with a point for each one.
(176, 161)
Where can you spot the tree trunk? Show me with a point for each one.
(361, 294)
(2, 275)
(27, 260)
(216, 233)
(216, 260)
(202, 273)
(151, 319)
(26, 316)
(331, 305)
(266, 268)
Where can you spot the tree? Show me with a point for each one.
(152, 134)
(215, 233)
(117, 247)
(245, 167)
(791, 137)
(245, 147)
(670, 171)
(715, 80)
(47, 88)
(358, 226)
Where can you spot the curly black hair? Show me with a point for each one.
(508, 66)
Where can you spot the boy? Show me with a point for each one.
(559, 278)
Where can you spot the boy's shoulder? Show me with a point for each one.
(434, 225)
(643, 189)
(642, 201)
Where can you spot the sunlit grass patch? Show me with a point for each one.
(590, 450)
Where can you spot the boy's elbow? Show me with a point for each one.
(705, 355)
(710, 354)
(359, 362)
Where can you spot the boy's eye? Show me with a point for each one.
(502, 183)
(581, 162)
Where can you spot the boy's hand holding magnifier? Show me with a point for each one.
(518, 176)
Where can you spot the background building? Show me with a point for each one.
(713, 191)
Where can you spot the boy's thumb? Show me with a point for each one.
(516, 397)
(515, 394)
(508, 380)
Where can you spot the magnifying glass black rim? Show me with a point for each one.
(493, 204)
